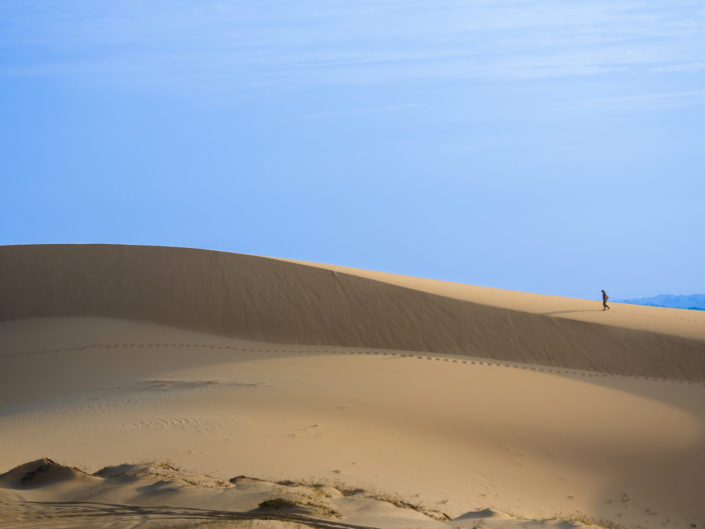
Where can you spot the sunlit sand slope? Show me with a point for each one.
(272, 300)
(455, 434)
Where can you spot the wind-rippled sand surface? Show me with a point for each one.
(359, 398)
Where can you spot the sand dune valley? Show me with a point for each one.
(156, 387)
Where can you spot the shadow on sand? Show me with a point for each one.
(89, 510)
(569, 312)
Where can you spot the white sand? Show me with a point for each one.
(449, 433)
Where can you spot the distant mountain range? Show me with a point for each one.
(690, 301)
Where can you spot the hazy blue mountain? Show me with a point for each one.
(683, 301)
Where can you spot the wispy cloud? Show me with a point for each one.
(682, 67)
(689, 98)
(368, 110)
(240, 44)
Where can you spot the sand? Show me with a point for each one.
(353, 398)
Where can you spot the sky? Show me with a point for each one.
(536, 145)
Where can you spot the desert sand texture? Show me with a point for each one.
(157, 387)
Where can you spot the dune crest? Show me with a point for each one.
(40, 473)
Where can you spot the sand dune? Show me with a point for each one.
(265, 299)
(145, 387)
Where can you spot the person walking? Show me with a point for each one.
(605, 297)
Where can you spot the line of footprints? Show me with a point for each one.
(328, 351)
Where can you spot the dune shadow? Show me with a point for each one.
(569, 311)
(89, 509)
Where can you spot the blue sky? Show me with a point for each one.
(535, 145)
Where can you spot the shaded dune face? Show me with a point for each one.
(264, 299)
